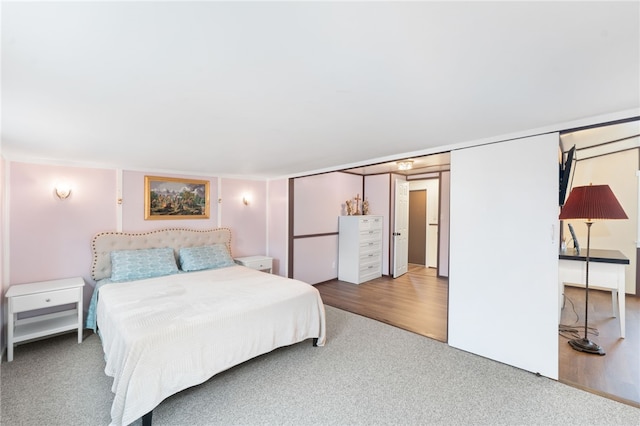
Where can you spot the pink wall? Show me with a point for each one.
(318, 201)
(315, 260)
(133, 205)
(278, 211)
(248, 223)
(50, 238)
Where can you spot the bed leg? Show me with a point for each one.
(315, 341)
(146, 419)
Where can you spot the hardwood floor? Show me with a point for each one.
(418, 300)
(615, 375)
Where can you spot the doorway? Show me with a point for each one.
(418, 227)
(424, 211)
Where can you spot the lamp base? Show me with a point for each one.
(586, 345)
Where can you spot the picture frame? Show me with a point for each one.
(167, 198)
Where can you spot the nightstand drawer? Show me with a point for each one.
(260, 263)
(44, 300)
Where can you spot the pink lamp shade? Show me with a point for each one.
(592, 202)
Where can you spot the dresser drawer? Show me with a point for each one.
(44, 300)
(370, 268)
(371, 235)
(370, 256)
(370, 223)
(371, 275)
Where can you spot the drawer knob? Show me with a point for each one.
(47, 300)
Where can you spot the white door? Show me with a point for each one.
(503, 282)
(401, 229)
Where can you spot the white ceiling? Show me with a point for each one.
(272, 89)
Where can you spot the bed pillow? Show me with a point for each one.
(205, 257)
(128, 265)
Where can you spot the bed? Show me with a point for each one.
(205, 314)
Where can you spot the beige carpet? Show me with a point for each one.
(368, 373)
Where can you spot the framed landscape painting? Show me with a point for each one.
(175, 198)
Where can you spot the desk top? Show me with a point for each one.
(595, 255)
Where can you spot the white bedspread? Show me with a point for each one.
(163, 335)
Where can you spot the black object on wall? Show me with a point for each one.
(565, 174)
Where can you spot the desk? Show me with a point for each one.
(606, 272)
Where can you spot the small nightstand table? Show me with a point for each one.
(39, 295)
(261, 263)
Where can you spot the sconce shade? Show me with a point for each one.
(592, 202)
(63, 192)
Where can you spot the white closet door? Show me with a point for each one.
(503, 277)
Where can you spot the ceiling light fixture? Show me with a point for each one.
(405, 165)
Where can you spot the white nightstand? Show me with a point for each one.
(39, 295)
(261, 263)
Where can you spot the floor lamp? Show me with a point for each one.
(593, 202)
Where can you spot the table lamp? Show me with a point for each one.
(592, 202)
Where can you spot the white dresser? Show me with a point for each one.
(360, 248)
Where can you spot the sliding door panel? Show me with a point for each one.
(503, 278)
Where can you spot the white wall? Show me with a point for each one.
(4, 227)
(503, 281)
(443, 244)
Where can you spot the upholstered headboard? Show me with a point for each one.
(176, 238)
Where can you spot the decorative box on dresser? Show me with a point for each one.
(359, 248)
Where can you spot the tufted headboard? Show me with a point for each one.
(176, 238)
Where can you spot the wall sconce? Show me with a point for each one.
(405, 165)
(63, 191)
(246, 199)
